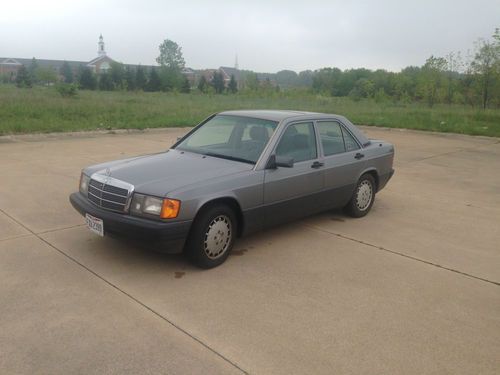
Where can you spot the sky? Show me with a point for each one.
(267, 36)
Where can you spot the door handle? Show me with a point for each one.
(317, 164)
(359, 156)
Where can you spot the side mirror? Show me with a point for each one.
(179, 138)
(279, 161)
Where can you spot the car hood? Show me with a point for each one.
(161, 173)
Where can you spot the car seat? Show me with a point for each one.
(257, 142)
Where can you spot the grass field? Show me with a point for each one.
(40, 110)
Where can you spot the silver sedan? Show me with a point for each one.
(236, 173)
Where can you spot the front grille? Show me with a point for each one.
(107, 195)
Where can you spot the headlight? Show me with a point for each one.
(151, 205)
(84, 183)
(147, 206)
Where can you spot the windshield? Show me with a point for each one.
(230, 137)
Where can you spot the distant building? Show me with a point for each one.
(102, 63)
(227, 72)
(191, 75)
(207, 73)
(240, 76)
(10, 65)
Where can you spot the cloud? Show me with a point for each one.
(266, 35)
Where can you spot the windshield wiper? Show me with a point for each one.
(228, 157)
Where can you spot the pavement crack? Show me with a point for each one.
(15, 237)
(381, 248)
(59, 229)
(136, 300)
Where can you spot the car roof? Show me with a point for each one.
(266, 114)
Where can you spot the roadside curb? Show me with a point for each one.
(37, 137)
(429, 132)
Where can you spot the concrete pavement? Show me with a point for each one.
(411, 288)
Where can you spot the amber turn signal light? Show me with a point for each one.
(170, 208)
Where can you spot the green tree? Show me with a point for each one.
(67, 72)
(117, 74)
(496, 87)
(186, 86)
(355, 94)
(171, 65)
(287, 78)
(106, 82)
(325, 81)
(32, 70)
(405, 83)
(171, 55)
(380, 96)
(46, 76)
(363, 88)
(154, 82)
(266, 85)
(467, 82)
(217, 82)
(305, 78)
(130, 78)
(233, 85)
(140, 78)
(430, 84)
(454, 63)
(251, 81)
(86, 78)
(23, 77)
(203, 84)
(388, 81)
(347, 80)
(486, 66)
(171, 78)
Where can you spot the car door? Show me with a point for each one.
(290, 193)
(343, 162)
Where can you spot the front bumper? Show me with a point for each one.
(169, 237)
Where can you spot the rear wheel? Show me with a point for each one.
(212, 236)
(362, 199)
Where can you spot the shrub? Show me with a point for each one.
(66, 90)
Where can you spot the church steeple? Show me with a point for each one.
(100, 48)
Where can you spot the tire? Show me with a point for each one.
(363, 197)
(212, 236)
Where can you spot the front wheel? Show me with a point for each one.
(362, 199)
(212, 236)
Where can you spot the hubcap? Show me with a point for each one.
(364, 195)
(217, 237)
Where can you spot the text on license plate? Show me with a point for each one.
(95, 224)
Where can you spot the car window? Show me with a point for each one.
(299, 142)
(331, 137)
(231, 137)
(350, 142)
(217, 133)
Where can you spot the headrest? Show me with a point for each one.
(258, 133)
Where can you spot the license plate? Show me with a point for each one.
(95, 224)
